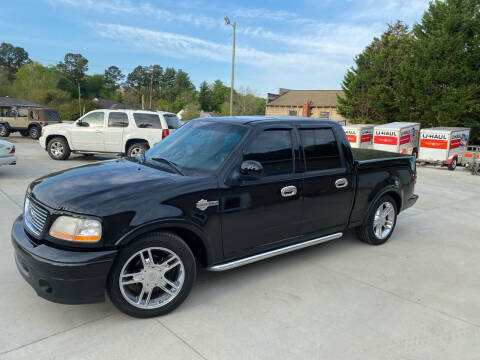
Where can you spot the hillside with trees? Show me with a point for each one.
(429, 74)
(69, 88)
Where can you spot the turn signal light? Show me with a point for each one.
(165, 133)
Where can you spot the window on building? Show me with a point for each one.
(95, 119)
(320, 148)
(117, 119)
(273, 149)
(325, 115)
(151, 121)
(293, 113)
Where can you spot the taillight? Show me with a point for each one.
(13, 150)
(165, 133)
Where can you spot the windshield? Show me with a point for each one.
(199, 145)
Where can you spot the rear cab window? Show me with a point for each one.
(145, 120)
(320, 148)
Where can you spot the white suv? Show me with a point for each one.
(129, 132)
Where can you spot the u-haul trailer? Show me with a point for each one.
(359, 135)
(399, 137)
(443, 145)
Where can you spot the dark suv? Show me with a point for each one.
(223, 192)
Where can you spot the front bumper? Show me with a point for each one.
(43, 142)
(410, 201)
(62, 276)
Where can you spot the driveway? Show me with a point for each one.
(416, 297)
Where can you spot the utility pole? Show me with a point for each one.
(234, 25)
(79, 102)
(151, 86)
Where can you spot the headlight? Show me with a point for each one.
(76, 229)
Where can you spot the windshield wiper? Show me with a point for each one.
(170, 163)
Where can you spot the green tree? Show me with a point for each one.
(441, 75)
(371, 86)
(204, 94)
(11, 59)
(74, 67)
(113, 78)
(95, 86)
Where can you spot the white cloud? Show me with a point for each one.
(389, 10)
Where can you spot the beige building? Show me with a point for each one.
(307, 103)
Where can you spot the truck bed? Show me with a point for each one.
(367, 158)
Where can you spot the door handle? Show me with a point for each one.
(341, 183)
(288, 191)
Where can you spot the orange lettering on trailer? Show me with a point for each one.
(352, 138)
(385, 140)
(433, 144)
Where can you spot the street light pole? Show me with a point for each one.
(234, 25)
(151, 86)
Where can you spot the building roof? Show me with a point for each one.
(319, 98)
(109, 104)
(10, 101)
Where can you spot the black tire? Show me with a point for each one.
(58, 148)
(164, 240)
(136, 148)
(24, 133)
(366, 232)
(4, 130)
(34, 132)
(453, 165)
(415, 154)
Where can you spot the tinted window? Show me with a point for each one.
(51, 115)
(321, 150)
(117, 119)
(147, 120)
(172, 121)
(95, 119)
(198, 145)
(273, 149)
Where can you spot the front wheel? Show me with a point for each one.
(380, 222)
(453, 165)
(152, 276)
(4, 130)
(58, 149)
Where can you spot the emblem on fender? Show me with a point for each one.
(204, 204)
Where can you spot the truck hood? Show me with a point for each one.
(54, 127)
(102, 188)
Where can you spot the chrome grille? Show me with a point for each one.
(34, 217)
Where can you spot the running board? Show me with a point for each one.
(240, 262)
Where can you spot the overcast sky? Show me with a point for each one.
(301, 44)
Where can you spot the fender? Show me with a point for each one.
(166, 224)
(387, 189)
(6, 124)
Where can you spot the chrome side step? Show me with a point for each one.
(250, 259)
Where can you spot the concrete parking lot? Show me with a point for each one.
(416, 297)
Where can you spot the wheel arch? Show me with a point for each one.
(391, 191)
(132, 141)
(50, 137)
(195, 240)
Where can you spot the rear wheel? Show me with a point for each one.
(136, 149)
(453, 165)
(380, 222)
(34, 132)
(4, 130)
(152, 276)
(58, 149)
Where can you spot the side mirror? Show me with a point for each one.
(251, 170)
(78, 122)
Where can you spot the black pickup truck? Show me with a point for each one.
(220, 192)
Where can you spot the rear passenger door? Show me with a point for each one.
(328, 182)
(256, 214)
(116, 122)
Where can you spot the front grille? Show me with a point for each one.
(35, 217)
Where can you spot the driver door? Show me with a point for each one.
(256, 216)
(88, 132)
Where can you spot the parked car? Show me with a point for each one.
(28, 121)
(7, 153)
(129, 132)
(224, 192)
(443, 146)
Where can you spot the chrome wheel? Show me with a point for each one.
(384, 220)
(136, 151)
(151, 278)
(57, 149)
(3, 131)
